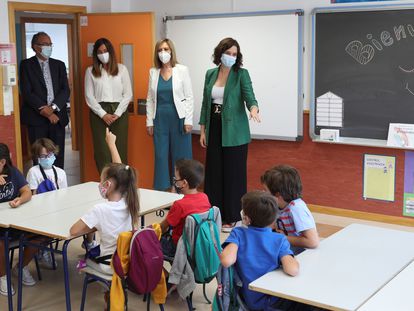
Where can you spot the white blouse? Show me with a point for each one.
(107, 88)
(217, 94)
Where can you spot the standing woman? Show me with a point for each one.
(170, 109)
(225, 130)
(108, 93)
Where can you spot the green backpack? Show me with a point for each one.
(204, 259)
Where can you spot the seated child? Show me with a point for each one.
(13, 189)
(189, 174)
(119, 213)
(294, 219)
(45, 151)
(256, 250)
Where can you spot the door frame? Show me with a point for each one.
(13, 8)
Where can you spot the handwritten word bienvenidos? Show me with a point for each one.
(364, 53)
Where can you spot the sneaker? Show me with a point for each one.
(45, 259)
(226, 228)
(3, 286)
(89, 245)
(27, 279)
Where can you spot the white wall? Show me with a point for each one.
(4, 12)
(188, 7)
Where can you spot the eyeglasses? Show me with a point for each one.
(46, 156)
(175, 180)
(45, 44)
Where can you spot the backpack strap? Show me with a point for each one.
(54, 173)
(56, 178)
(103, 259)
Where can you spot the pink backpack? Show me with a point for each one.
(145, 262)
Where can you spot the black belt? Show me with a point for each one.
(216, 108)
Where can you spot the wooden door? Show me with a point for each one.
(137, 31)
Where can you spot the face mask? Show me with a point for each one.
(176, 187)
(104, 57)
(228, 60)
(164, 57)
(46, 51)
(47, 162)
(102, 190)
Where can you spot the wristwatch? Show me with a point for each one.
(54, 107)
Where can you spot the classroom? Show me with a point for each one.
(100, 95)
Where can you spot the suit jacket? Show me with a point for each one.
(34, 93)
(238, 94)
(182, 93)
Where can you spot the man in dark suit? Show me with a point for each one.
(45, 92)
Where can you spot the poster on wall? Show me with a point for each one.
(408, 203)
(379, 177)
(347, 1)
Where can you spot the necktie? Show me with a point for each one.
(48, 81)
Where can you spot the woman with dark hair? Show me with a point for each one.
(107, 92)
(170, 109)
(224, 129)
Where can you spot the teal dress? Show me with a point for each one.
(170, 140)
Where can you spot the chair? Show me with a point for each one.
(92, 275)
(177, 268)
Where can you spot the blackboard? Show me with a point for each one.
(365, 58)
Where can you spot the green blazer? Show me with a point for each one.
(238, 92)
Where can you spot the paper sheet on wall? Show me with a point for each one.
(408, 204)
(379, 177)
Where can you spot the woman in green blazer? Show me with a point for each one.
(225, 129)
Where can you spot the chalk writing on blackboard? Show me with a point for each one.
(364, 53)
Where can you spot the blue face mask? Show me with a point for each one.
(46, 51)
(47, 162)
(228, 60)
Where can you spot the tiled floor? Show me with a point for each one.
(48, 294)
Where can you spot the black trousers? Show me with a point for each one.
(226, 173)
(56, 133)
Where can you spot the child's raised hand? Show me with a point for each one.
(110, 137)
(15, 203)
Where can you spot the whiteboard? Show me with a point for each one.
(271, 44)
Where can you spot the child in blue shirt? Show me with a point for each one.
(256, 250)
(294, 218)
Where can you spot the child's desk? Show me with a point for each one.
(53, 213)
(345, 270)
(396, 295)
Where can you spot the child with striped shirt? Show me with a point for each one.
(294, 218)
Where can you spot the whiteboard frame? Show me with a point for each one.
(381, 143)
(301, 49)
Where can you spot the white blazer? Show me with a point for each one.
(182, 94)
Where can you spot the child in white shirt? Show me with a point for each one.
(45, 151)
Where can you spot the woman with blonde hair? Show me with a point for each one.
(169, 112)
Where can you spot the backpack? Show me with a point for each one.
(204, 259)
(47, 185)
(146, 261)
(227, 296)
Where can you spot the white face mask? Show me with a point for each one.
(104, 57)
(46, 51)
(164, 57)
(228, 60)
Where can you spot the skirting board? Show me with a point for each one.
(362, 215)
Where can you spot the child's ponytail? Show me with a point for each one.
(126, 183)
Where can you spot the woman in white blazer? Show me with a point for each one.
(170, 108)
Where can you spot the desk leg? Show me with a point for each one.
(142, 221)
(20, 275)
(66, 274)
(8, 271)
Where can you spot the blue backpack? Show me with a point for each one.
(204, 259)
(47, 185)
